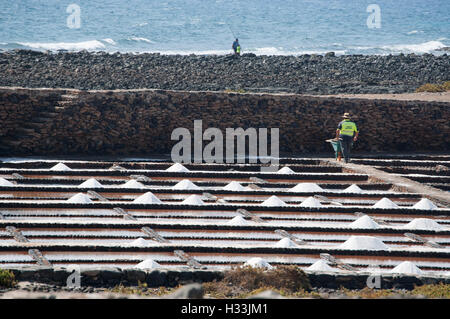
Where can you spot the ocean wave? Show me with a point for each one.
(140, 39)
(109, 41)
(70, 46)
(425, 47)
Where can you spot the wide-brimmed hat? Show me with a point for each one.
(346, 115)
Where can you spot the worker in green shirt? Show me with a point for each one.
(347, 133)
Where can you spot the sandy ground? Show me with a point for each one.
(425, 96)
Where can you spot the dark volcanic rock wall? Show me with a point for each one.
(141, 121)
(312, 74)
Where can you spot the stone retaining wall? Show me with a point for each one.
(140, 122)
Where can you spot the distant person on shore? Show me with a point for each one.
(236, 47)
(347, 133)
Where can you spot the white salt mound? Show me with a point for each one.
(385, 203)
(234, 186)
(306, 187)
(310, 202)
(258, 262)
(364, 243)
(148, 264)
(79, 198)
(285, 170)
(285, 243)
(423, 224)
(425, 203)
(5, 182)
(238, 220)
(141, 242)
(273, 201)
(364, 222)
(321, 265)
(60, 167)
(90, 183)
(407, 267)
(193, 200)
(147, 198)
(353, 189)
(133, 184)
(185, 184)
(177, 167)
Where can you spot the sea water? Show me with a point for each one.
(276, 27)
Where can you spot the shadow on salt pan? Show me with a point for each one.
(363, 243)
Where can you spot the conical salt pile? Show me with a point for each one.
(141, 242)
(258, 262)
(424, 224)
(353, 189)
(79, 198)
(147, 198)
(177, 167)
(60, 167)
(90, 183)
(385, 203)
(5, 182)
(148, 264)
(425, 203)
(273, 201)
(285, 243)
(234, 186)
(364, 243)
(185, 184)
(133, 184)
(285, 170)
(238, 221)
(310, 202)
(193, 200)
(307, 188)
(407, 267)
(321, 265)
(364, 222)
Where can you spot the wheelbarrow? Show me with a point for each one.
(336, 143)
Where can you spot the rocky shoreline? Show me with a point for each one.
(305, 74)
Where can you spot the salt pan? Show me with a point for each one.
(60, 167)
(407, 267)
(234, 186)
(90, 183)
(364, 222)
(147, 198)
(193, 200)
(385, 203)
(425, 203)
(79, 198)
(177, 167)
(258, 262)
(321, 265)
(310, 202)
(306, 187)
(364, 243)
(424, 224)
(185, 184)
(273, 201)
